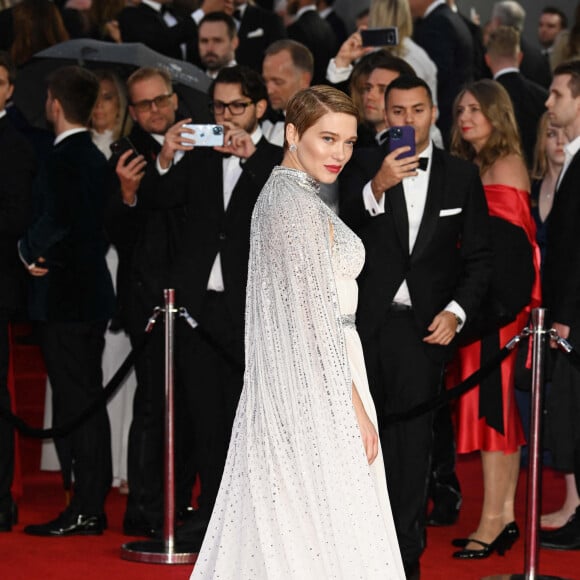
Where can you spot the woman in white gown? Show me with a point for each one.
(303, 495)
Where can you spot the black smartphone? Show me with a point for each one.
(388, 36)
(399, 137)
(121, 145)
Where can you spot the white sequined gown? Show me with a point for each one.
(298, 500)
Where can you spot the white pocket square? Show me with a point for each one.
(255, 33)
(450, 211)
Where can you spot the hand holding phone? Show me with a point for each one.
(403, 136)
(120, 146)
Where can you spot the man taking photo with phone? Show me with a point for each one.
(217, 189)
(423, 221)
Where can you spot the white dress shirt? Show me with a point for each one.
(415, 192)
(232, 170)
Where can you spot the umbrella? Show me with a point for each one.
(191, 82)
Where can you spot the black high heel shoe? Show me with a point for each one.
(511, 530)
(502, 543)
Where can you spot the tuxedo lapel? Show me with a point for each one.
(432, 207)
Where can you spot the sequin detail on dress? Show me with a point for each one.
(298, 500)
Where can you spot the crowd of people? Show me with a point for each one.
(338, 276)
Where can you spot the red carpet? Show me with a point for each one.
(24, 557)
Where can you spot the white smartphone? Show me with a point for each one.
(206, 135)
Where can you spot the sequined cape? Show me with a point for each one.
(297, 500)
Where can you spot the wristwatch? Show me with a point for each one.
(458, 319)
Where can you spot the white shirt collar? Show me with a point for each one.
(303, 10)
(2, 113)
(427, 152)
(505, 71)
(432, 7)
(62, 136)
(241, 9)
(152, 4)
(324, 13)
(212, 74)
(571, 148)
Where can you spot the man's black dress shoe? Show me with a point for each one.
(502, 543)
(445, 509)
(565, 538)
(8, 518)
(70, 523)
(510, 531)
(140, 527)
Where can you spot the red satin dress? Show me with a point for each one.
(474, 428)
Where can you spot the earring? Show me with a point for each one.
(292, 148)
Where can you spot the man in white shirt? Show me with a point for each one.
(423, 220)
(217, 189)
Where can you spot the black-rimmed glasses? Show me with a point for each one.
(235, 107)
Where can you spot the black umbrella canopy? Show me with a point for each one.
(190, 82)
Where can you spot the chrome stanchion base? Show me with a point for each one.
(156, 552)
(522, 577)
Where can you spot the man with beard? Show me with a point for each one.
(218, 40)
(217, 188)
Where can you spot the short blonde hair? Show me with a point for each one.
(306, 107)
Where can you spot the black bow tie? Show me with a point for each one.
(423, 163)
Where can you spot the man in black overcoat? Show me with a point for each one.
(72, 293)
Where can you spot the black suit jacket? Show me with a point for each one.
(259, 28)
(528, 99)
(17, 169)
(535, 65)
(317, 35)
(447, 40)
(196, 185)
(451, 258)
(561, 276)
(146, 241)
(338, 27)
(142, 23)
(70, 196)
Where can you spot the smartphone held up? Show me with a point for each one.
(400, 137)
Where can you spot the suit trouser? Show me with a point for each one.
(6, 430)
(402, 376)
(73, 355)
(213, 386)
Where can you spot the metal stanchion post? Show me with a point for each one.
(534, 456)
(168, 550)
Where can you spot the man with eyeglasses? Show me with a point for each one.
(145, 241)
(217, 188)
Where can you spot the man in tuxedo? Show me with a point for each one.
(257, 29)
(72, 293)
(425, 229)
(534, 65)
(217, 188)
(17, 170)
(146, 242)
(288, 68)
(561, 288)
(315, 33)
(447, 40)
(503, 58)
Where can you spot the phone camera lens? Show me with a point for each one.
(397, 133)
(217, 130)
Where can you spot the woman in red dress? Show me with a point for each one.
(485, 132)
